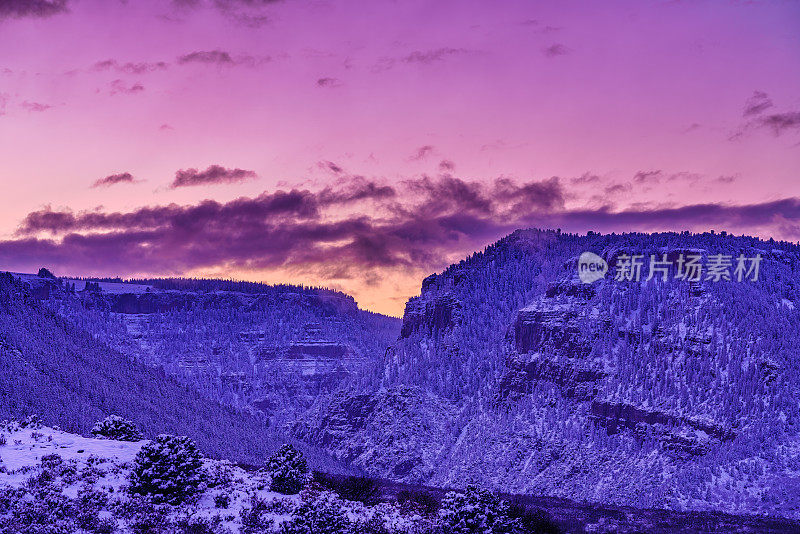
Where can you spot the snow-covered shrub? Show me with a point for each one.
(32, 421)
(89, 504)
(52, 468)
(44, 510)
(196, 525)
(255, 519)
(321, 515)
(219, 474)
(417, 501)
(115, 427)
(91, 474)
(374, 525)
(51, 461)
(45, 273)
(288, 469)
(169, 469)
(280, 506)
(475, 511)
(106, 525)
(143, 515)
(9, 495)
(222, 500)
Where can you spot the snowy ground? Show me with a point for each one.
(84, 490)
(103, 466)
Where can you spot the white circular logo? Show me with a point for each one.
(591, 267)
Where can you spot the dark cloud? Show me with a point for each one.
(657, 176)
(31, 8)
(422, 152)
(780, 122)
(351, 189)
(250, 20)
(218, 57)
(129, 67)
(550, 29)
(120, 87)
(690, 177)
(586, 178)
(328, 82)
(433, 56)
(346, 230)
(415, 225)
(215, 174)
(447, 166)
(538, 27)
(777, 123)
(556, 50)
(757, 103)
(331, 166)
(212, 56)
(649, 177)
(113, 179)
(301, 205)
(221, 57)
(614, 189)
(249, 13)
(250, 3)
(741, 217)
(35, 106)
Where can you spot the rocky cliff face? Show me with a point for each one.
(431, 314)
(175, 301)
(573, 379)
(397, 431)
(672, 394)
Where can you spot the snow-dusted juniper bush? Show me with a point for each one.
(115, 427)
(169, 469)
(288, 469)
(475, 511)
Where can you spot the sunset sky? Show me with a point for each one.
(362, 145)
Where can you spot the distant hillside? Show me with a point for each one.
(53, 368)
(271, 350)
(512, 373)
(212, 284)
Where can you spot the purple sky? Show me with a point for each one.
(363, 145)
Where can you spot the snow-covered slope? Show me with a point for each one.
(54, 481)
(54, 368)
(57, 482)
(271, 350)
